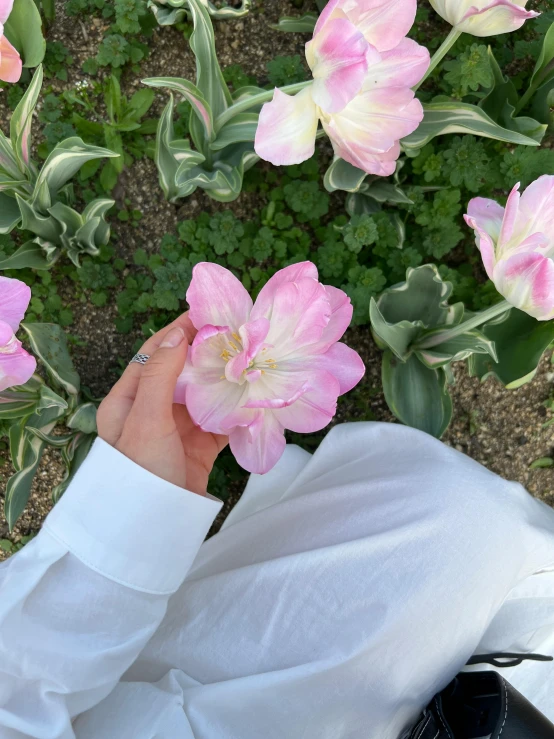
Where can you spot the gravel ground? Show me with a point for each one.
(504, 430)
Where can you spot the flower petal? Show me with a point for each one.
(204, 365)
(537, 208)
(11, 65)
(493, 18)
(301, 312)
(372, 124)
(527, 282)
(312, 409)
(403, 66)
(485, 217)
(384, 23)
(343, 363)
(14, 301)
(253, 335)
(287, 127)
(217, 297)
(510, 220)
(259, 445)
(6, 7)
(339, 321)
(264, 302)
(210, 405)
(16, 367)
(338, 58)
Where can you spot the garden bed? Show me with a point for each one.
(506, 430)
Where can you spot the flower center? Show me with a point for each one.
(231, 346)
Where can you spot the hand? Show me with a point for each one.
(141, 421)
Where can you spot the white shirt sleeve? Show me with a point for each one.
(79, 602)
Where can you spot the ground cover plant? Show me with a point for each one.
(392, 170)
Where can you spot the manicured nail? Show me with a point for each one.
(173, 339)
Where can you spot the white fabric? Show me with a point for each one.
(344, 590)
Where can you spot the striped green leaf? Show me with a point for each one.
(66, 159)
(240, 129)
(29, 256)
(417, 395)
(49, 344)
(21, 120)
(454, 117)
(209, 78)
(190, 92)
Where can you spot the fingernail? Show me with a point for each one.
(173, 339)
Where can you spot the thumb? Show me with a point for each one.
(154, 399)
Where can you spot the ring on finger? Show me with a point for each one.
(140, 359)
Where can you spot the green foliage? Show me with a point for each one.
(128, 14)
(469, 71)
(286, 70)
(307, 199)
(56, 60)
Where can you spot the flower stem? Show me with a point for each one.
(440, 53)
(250, 102)
(477, 320)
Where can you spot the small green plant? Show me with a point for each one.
(40, 200)
(31, 416)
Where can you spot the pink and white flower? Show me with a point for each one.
(484, 17)
(254, 370)
(517, 245)
(16, 365)
(10, 61)
(363, 68)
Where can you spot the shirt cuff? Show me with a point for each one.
(129, 525)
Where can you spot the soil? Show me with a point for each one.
(504, 430)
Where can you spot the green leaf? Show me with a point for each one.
(457, 349)
(141, 102)
(28, 256)
(454, 117)
(24, 30)
(74, 455)
(544, 68)
(397, 336)
(113, 98)
(10, 215)
(241, 128)
(209, 78)
(520, 342)
(8, 162)
(49, 344)
(296, 24)
(21, 121)
(341, 175)
(191, 93)
(542, 463)
(417, 395)
(83, 419)
(501, 101)
(66, 159)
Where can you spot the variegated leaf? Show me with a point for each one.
(21, 120)
(66, 159)
(190, 92)
(455, 117)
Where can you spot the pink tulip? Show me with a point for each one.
(16, 365)
(10, 61)
(363, 69)
(484, 17)
(255, 370)
(517, 245)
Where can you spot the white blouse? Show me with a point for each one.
(344, 590)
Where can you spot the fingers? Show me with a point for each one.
(116, 407)
(153, 405)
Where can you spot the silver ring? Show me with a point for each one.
(140, 359)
